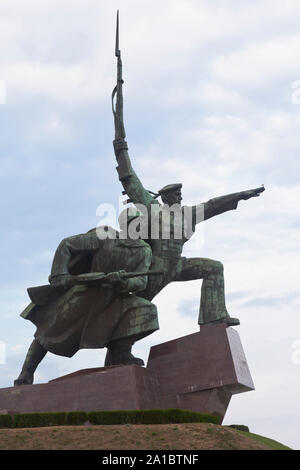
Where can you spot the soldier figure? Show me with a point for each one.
(167, 252)
(92, 315)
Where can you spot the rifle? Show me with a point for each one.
(42, 295)
(120, 145)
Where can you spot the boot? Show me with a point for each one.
(212, 305)
(35, 354)
(229, 321)
(119, 352)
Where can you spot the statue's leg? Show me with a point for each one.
(119, 352)
(139, 319)
(35, 354)
(156, 283)
(212, 304)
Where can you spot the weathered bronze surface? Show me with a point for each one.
(94, 313)
(101, 288)
(166, 252)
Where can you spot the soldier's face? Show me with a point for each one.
(172, 197)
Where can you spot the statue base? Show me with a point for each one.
(199, 372)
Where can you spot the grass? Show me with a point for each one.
(264, 440)
(192, 436)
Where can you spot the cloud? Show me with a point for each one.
(271, 302)
(257, 65)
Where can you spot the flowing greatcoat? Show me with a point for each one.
(91, 317)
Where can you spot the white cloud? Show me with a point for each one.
(70, 83)
(258, 65)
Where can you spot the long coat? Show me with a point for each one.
(91, 317)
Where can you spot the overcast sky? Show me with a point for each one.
(211, 100)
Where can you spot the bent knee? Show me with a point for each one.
(217, 266)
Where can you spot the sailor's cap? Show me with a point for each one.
(169, 187)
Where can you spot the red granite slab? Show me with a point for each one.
(198, 372)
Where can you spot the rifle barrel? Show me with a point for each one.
(137, 274)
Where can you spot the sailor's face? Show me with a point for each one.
(173, 197)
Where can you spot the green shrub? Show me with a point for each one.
(207, 418)
(186, 416)
(112, 417)
(6, 421)
(76, 417)
(153, 417)
(32, 420)
(150, 417)
(239, 427)
(156, 416)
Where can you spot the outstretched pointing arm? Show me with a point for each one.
(221, 204)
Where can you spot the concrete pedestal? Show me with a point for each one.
(198, 372)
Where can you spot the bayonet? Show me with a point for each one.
(117, 50)
(120, 145)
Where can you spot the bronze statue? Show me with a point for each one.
(166, 252)
(102, 282)
(91, 302)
